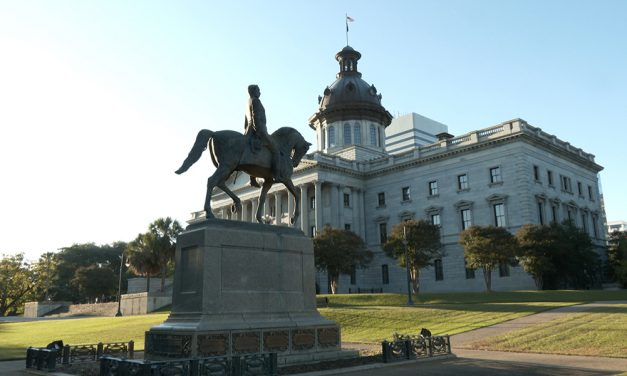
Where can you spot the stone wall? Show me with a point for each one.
(143, 303)
(39, 309)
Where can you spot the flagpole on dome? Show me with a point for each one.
(348, 19)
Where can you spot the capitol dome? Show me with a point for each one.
(350, 110)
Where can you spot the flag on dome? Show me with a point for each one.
(349, 19)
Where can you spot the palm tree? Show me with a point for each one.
(165, 230)
(141, 258)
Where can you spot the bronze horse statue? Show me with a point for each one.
(231, 151)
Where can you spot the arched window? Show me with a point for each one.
(347, 134)
(357, 134)
(331, 137)
(373, 135)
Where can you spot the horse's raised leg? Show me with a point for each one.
(262, 198)
(296, 193)
(237, 204)
(218, 178)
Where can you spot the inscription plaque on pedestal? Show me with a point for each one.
(276, 341)
(213, 344)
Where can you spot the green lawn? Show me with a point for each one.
(363, 317)
(600, 332)
(16, 337)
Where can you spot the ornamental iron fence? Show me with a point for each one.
(56, 353)
(405, 347)
(264, 364)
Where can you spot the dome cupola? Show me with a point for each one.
(350, 110)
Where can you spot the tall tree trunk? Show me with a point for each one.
(414, 275)
(163, 272)
(333, 283)
(487, 277)
(147, 282)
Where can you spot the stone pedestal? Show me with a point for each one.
(243, 288)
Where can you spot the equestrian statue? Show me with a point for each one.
(260, 155)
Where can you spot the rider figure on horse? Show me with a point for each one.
(255, 126)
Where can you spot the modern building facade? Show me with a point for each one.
(616, 226)
(370, 172)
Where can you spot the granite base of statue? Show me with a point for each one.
(244, 288)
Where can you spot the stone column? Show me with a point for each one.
(277, 207)
(340, 206)
(244, 211)
(362, 219)
(318, 195)
(290, 208)
(255, 203)
(224, 213)
(335, 210)
(355, 195)
(304, 210)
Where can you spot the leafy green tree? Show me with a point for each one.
(576, 264)
(45, 274)
(17, 284)
(617, 257)
(558, 256)
(70, 259)
(339, 252)
(486, 247)
(423, 246)
(537, 247)
(95, 281)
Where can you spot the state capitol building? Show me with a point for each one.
(371, 171)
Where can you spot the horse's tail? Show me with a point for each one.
(199, 146)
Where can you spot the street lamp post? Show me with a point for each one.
(410, 302)
(119, 313)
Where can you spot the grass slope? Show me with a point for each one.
(363, 317)
(599, 332)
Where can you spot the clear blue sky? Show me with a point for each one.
(101, 101)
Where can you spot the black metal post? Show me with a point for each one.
(119, 313)
(410, 302)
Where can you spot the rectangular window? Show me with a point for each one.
(503, 269)
(347, 226)
(584, 222)
(353, 275)
(312, 202)
(499, 215)
(383, 233)
(439, 271)
(554, 213)
(347, 134)
(594, 227)
(357, 131)
(331, 137)
(433, 188)
(566, 185)
(549, 176)
(312, 231)
(385, 274)
(590, 195)
(579, 188)
(536, 173)
(540, 213)
(462, 182)
(495, 174)
(347, 200)
(405, 193)
(381, 198)
(373, 135)
(466, 220)
(470, 273)
(435, 219)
